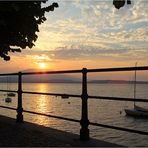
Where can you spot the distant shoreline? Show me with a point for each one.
(89, 81)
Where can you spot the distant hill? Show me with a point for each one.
(44, 78)
(60, 78)
(118, 81)
(63, 79)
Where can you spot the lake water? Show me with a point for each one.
(100, 111)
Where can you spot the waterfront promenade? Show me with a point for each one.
(32, 135)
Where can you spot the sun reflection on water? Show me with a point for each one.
(43, 104)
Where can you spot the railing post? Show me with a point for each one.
(84, 131)
(19, 116)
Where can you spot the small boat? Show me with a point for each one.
(8, 100)
(64, 96)
(138, 108)
(136, 113)
(11, 94)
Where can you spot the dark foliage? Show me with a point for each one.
(19, 23)
(120, 3)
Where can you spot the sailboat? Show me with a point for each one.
(137, 111)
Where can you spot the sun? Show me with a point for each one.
(42, 65)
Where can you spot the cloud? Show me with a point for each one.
(86, 29)
(83, 52)
(40, 58)
(87, 21)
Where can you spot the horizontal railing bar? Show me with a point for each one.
(7, 107)
(92, 97)
(75, 120)
(8, 91)
(119, 128)
(42, 114)
(118, 98)
(51, 94)
(52, 72)
(52, 116)
(79, 71)
(8, 74)
(118, 69)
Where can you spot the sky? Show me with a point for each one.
(87, 33)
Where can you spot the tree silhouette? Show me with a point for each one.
(19, 23)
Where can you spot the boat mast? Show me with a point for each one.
(135, 83)
(7, 86)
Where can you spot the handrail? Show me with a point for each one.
(8, 74)
(78, 96)
(42, 72)
(118, 98)
(51, 94)
(52, 72)
(14, 91)
(84, 131)
(118, 69)
(80, 71)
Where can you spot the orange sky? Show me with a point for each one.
(90, 34)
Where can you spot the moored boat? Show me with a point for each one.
(64, 96)
(11, 94)
(136, 113)
(138, 108)
(8, 100)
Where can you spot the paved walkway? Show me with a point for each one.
(33, 135)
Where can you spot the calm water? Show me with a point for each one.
(100, 111)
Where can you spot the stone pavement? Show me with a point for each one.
(27, 134)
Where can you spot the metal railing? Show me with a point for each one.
(84, 121)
